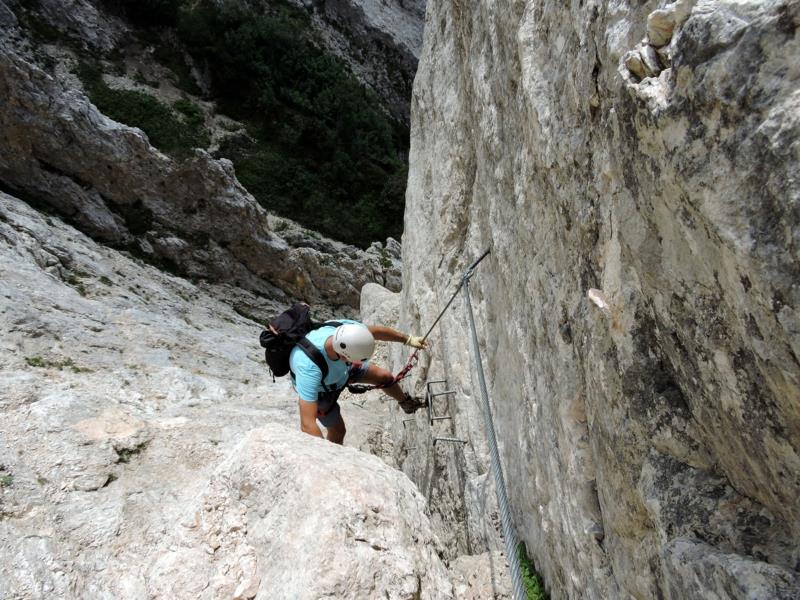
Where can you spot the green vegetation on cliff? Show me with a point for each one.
(320, 147)
(534, 588)
(163, 127)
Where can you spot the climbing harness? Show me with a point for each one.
(358, 388)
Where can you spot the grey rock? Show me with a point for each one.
(380, 41)
(634, 63)
(665, 56)
(480, 577)
(659, 28)
(373, 523)
(652, 65)
(114, 375)
(129, 415)
(83, 21)
(389, 259)
(670, 414)
(191, 216)
(7, 17)
(698, 570)
(661, 23)
(394, 248)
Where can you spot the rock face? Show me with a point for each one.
(134, 461)
(190, 216)
(646, 151)
(380, 40)
(288, 516)
(406, 440)
(122, 389)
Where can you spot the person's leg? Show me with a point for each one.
(332, 421)
(336, 431)
(376, 376)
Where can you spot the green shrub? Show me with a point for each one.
(193, 113)
(42, 363)
(534, 587)
(325, 151)
(164, 129)
(168, 54)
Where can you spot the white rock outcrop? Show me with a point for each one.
(131, 460)
(650, 432)
(288, 516)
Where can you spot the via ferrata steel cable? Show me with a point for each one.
(414, 358)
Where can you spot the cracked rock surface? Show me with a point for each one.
(647, 151)
(145, 452)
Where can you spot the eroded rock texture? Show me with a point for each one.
(189, 216)
(134, 458)
(303, 518)
(380, 40)
(648, 151)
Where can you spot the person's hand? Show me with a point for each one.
(416, 342)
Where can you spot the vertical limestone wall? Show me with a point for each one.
(648, 151)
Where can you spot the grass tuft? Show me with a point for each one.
(124, 455)
(534, 588)
(42, 363)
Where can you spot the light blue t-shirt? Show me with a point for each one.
(307, 375)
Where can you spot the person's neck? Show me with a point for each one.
(329, 349)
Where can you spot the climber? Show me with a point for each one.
(346, 350)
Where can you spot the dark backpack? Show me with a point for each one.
(290, 328)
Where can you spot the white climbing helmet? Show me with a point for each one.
(354, 342)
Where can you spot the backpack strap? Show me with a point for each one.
(316, 356)
(327, 324)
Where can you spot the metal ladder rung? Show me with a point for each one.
(449, 439)
(430, 395)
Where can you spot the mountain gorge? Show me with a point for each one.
(174, 174)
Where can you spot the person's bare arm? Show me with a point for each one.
(386, 334)
(308, 418)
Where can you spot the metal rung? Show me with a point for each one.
(407, 420)
(447, 439)
(431, 416)
(437, 381)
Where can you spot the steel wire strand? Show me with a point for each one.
(500, 485)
